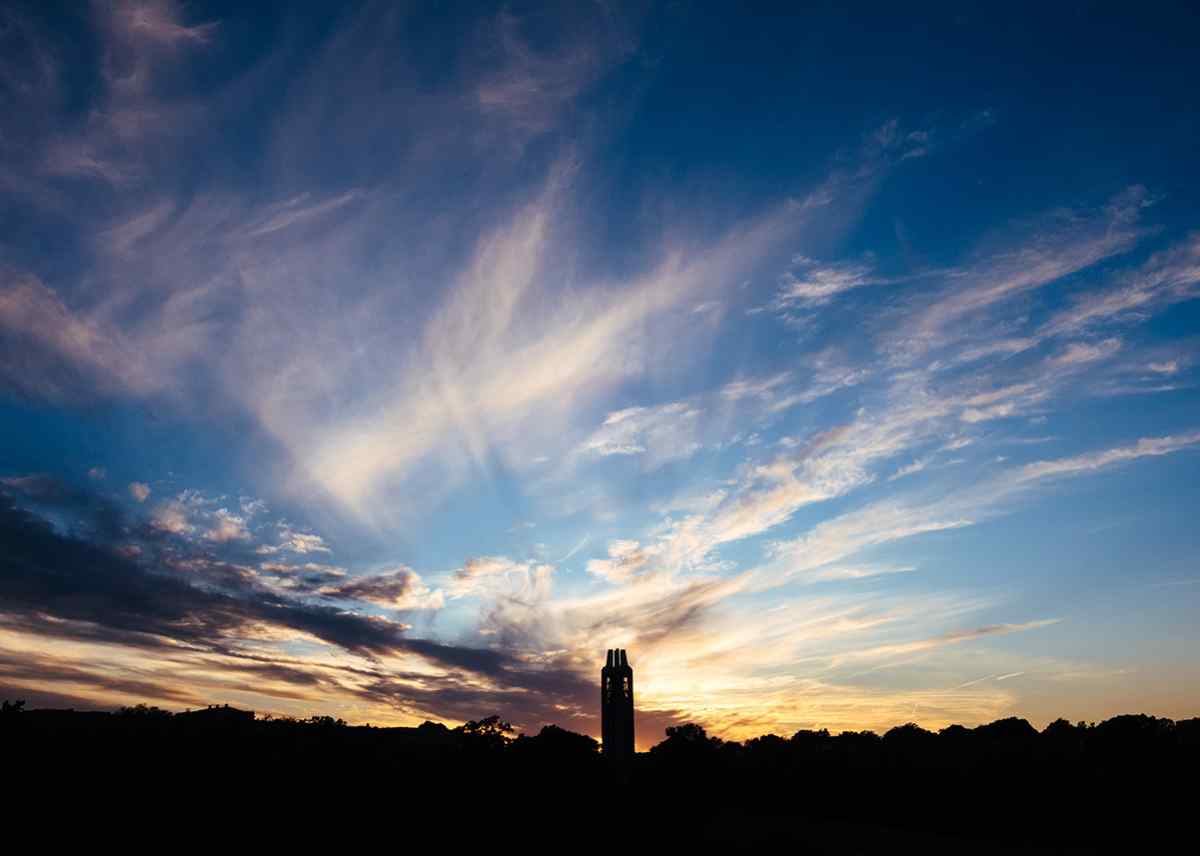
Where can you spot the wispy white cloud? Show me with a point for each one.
(583, 542)
(986, 414)
(997, 677)
(998, 347)
(491, 358)
(1067, 243)
(827, 373)
(837, 539)
(298, 210)
(172, 517)
(141, 40)
(531, 86)
(1168, 277)
(766, 387)
(294, 540)
(1093, 461)
(503, 577)
(954, 637)
(227, 526)
(659, 434)
(52, 352)
(915, 467)
(194, 514)
(1167, 367)
(626, 559)
(842, 537)
(811, 283)
(856, 572)
(1080, 353)
(159, 22)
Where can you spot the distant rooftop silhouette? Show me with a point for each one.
(219, 714)
(616, 706)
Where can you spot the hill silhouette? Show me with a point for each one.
(1127, 782)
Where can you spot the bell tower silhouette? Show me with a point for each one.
(616, 706)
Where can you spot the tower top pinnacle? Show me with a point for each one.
(617, 659)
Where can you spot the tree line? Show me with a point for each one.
(1126, 782)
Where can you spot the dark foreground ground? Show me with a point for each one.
(1129, 784)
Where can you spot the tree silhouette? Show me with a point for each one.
(492, 732)
(325, 722)
(144, 711)
(687, 745)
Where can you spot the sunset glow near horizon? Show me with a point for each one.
(394, 364)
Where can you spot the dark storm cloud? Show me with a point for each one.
(280, 672)
(78, 586)
(89, 511)
(383, 589)
(526, 697)
(44, 572)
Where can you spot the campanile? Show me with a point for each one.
(616, 706)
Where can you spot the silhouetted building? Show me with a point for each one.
(616, 706)
(224, 715)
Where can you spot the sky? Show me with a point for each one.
(393, 361)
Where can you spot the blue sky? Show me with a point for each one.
(394, 363)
